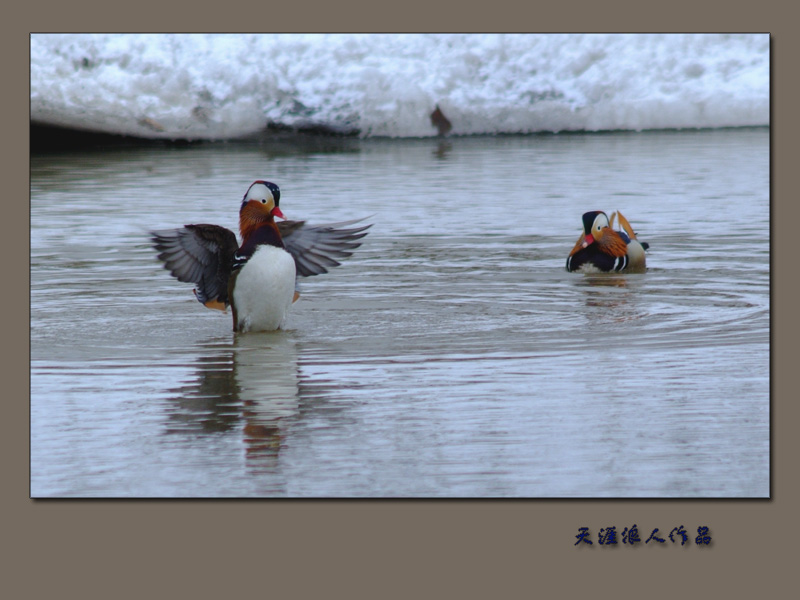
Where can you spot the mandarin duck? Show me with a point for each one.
(257, 279)
(603, 249)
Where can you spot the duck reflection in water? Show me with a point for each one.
(610, 298)
(250, 383)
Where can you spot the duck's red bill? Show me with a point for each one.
(588, 240)
(276, 212)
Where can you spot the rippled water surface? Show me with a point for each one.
(451, 356)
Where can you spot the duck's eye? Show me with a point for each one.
(263, 201)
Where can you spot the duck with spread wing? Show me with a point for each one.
(257, 278)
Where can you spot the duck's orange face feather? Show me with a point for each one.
(580, 244)
(259, 206)
(607, 239)
(611, 243)
(597, 229)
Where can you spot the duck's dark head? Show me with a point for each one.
(594, 224)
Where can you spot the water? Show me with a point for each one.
(451, 356)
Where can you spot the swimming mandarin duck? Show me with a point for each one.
(602, 249)
(257, 279)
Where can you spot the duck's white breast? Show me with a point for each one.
(264, 289)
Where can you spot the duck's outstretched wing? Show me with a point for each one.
(317, 247)
(199, 254)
